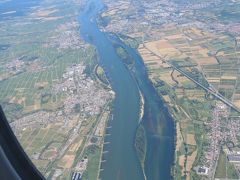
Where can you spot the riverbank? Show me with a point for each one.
(141, 146)
(105, 124)
(154, 135)
(101, 76)
(155, 112)
(141, 113)
(118, 147)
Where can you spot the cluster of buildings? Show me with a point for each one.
(81, 91)
(76, 176)
(66, 37)
(153, 14)
(15, 65)
(144, 14)
(79, 169)
(137, 19)
(201, 170)
(33, 120)
(20, 65)
(221, 131)
(214, 136)
(232, 127)
(127, 20)
(78, 90)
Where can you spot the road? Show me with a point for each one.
(215, 94)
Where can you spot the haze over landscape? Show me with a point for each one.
(123, 89)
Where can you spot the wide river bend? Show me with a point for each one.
(120, 161)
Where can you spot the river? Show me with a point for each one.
(120, 159)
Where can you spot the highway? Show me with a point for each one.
(215, 94)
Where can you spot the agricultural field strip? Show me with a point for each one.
(25, 140)
(12, 91)
(44, 136)
(217, 95)
(236, 82)
(27, 83)
(185, 113)
(33, 139)
(10, 83)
